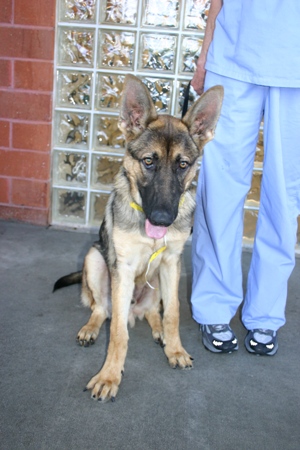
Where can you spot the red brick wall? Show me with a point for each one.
(26, 80)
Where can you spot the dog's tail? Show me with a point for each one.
(67, 280)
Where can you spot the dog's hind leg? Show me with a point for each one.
(154, 319)
(95, 293)
(152, 314)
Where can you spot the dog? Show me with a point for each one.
(135, 265)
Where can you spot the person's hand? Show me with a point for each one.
(199, 76)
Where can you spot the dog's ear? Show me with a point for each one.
(137, 108)
(201, 119)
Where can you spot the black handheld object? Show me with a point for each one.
(186, 100)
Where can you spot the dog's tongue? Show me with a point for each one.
(154, 232)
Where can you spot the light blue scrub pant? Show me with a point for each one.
(225, 179)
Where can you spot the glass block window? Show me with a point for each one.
(97, 43)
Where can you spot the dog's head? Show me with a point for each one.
(162, 151)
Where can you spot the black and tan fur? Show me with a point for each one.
(159, 166)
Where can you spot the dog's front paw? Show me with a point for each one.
(104, 386)
(87, 335)
(178, 358)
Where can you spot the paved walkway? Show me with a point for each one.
(234, 402)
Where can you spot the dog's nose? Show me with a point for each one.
(161, 218)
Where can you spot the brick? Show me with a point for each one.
(25, 106)
(6, 11)
(27, 43)
(32, 75)
(30, 193)
(28, 136)
(23, 214)
(4, 133)
(5, 73)
(30, 165)
(4, 190)
(41, 12)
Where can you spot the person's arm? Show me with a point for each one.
(199, 76)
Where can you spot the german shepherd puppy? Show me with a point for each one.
(148, 218)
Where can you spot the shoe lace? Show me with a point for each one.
(264, 331)
(219, 328)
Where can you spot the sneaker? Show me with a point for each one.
(262, 342)
(219, 338)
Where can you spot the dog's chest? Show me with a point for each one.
(142, 253)
(147, 258)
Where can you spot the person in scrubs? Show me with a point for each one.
(252, 49)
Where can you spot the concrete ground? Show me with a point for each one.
(237, 401)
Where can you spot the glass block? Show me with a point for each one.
(158, 52)
(77, 10)
(196, 12)
(105, 168)
(190, 51)
(69, 206)
(76, 47)
(161, 92)
(250, 220)
(70, 168)
(123, 12)
(259, 156)
(116, 49)
(72, 129)
(107, 133)
(74, 89)
(159, 13)
(108, 91)
(97, 207)
(193, 96)
(253, 196)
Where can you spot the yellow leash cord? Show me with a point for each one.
(152, 257)
(136, 206)
(161, 249)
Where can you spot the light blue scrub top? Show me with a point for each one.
(257, 41)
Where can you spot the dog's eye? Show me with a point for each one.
(183, 164)
(148, 161)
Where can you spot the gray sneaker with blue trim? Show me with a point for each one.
(219, 338)
(262, 342)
